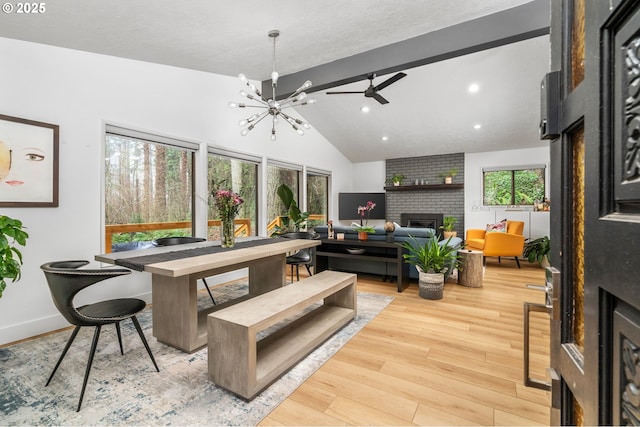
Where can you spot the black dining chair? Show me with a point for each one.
(181, 240)
(65, 280)
(302, 256)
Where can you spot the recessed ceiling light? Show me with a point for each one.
(385, 138)
(365, 109)
(477, 126)
(474, 87)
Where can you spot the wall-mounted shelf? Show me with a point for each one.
(425, 187)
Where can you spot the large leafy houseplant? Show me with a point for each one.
(432, 260)
(11, 233)
(295, 220)
(432, 256)
(537, 250)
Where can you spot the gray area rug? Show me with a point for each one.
(126, 390)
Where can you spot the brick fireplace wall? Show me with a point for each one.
(449, 202)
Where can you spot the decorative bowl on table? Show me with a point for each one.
(355, 251)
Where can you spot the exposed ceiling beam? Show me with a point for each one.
(509, 26)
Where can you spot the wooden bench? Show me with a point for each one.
(243, 365)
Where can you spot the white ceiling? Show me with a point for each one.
(430, 110)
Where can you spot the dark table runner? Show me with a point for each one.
(138, 263)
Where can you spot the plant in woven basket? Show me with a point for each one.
(432, 256)
(432, 260)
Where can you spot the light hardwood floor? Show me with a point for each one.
(456, 361)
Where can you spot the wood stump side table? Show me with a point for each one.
(472, 272)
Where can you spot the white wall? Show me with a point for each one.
(536, 223)
(81, 92)
(368, 177)
(474, 162)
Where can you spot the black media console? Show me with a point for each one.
(379, 257)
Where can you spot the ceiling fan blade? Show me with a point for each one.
(390, 81)
(340, 93)
(380, 98)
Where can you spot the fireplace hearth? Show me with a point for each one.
(421, 220)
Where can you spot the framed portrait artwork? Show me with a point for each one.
(28, 163)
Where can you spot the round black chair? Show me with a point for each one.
(303, 256)
(181, 240)
(65, 280)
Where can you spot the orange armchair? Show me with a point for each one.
(498, 244)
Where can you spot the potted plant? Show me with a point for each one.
(449, 175)
(447, 226)
(537, 250)
(295, 220)
(11, 232)
(432, 260)
(396, 179)
(364, 228)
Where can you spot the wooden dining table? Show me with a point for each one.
(175, 271)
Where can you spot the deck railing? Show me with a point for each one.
(243, 228)
(278, 222)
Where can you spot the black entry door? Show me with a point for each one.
(595, 215)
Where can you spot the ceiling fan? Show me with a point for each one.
(372, 91)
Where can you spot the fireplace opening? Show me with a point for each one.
(421, 220)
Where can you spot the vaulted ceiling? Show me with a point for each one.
(430, 111)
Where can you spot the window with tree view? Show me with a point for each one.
(278, 174)
(148, 191)
(241, 177)
(513, 186)
(317, 198)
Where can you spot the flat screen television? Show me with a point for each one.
(348, 205)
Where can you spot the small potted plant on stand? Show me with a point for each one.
(537, 250)
(10, 256)
(363, 228)
(447, 226)
(432, 259)
(396, 179)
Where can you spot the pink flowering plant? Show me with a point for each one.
(364, 222)
(227, 203)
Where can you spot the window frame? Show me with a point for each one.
(322, 173)
(243, 157)
(513, 170)
(124, 132)
(299, 193)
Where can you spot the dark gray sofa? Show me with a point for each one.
(400, 235)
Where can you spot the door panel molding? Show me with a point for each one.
(624, 44)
